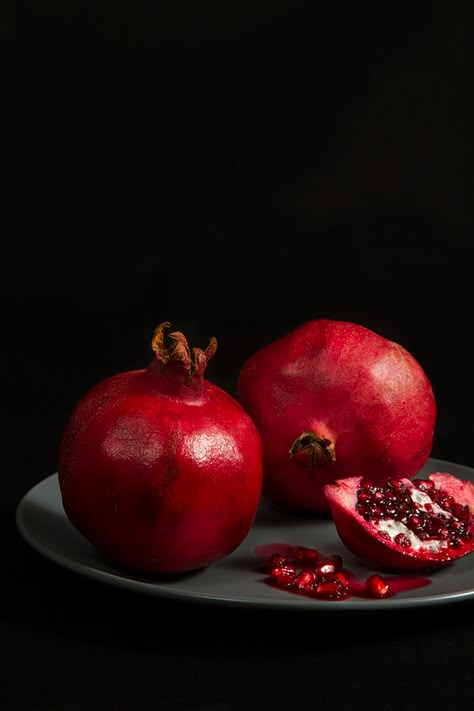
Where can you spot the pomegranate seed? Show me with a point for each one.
(342, 578)
(396, 484)
(306, 580)
(458, 510)
(325, 567)
(402, 540)
(376, 586)
(285, 581)
(306, 556)
(365, 484)
(403, 512)
(414, 522)
(280, 570)
(425, 485)
(448, 503)
(330, 588)
(273, 561)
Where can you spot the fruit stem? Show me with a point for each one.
(192, 362)
(312, 450)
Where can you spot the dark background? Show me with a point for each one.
(237, 169)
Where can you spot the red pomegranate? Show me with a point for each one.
(403, 524)
(333, 399)
(159, 468)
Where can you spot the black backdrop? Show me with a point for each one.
(236, 170)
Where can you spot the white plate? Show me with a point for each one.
(236, 579)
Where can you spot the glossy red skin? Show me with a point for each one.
(160, 476)
(362, 538)
(345, 382)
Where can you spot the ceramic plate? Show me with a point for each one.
(235, 580)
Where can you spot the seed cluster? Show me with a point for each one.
(437, 516)
(310, 572)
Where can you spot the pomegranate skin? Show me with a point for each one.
(364, 539)
(159, 468)
(333, 399)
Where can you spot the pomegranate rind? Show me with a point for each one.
(363, 538)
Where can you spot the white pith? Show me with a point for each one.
(419, 497)
(393, 528)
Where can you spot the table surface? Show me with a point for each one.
(237, 174)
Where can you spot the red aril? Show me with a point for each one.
(309, 576)
(332, 400)
(403, 524)
(159, 468)
(376, 586)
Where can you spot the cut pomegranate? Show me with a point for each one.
(409, 525)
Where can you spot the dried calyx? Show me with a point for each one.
(174, 353)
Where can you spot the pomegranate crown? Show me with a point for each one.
(193, 361)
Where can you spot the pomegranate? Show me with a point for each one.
(405, 524)
(332, 400)
(159, 468)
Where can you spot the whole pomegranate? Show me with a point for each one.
(403, 524)
(331, 400)
(159, 468)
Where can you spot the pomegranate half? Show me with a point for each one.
(159, 468)
(333, 399)
(405, 524)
